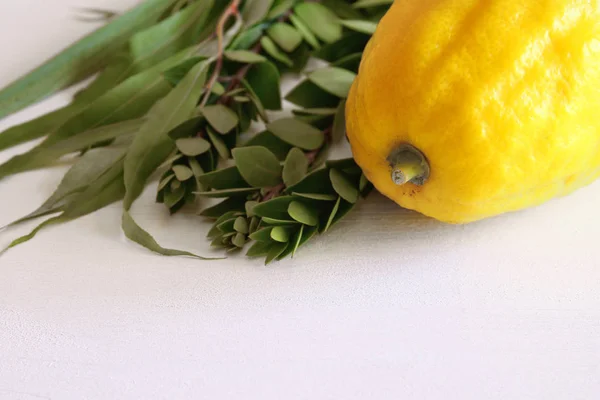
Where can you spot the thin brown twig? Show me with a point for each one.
(232, 10)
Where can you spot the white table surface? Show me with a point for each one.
(389, 305)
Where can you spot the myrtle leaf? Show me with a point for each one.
(297, 133)
(226, 178)
(239, 240)
(229, 205)
(264, 80)
(241, 225)
(332, 214)
(219, 144)
(280, 234)
(259, 249)
(343, 186)
(259, 167)
(303, 213)
(275, 251)
(271, 142)
(316, 196)
(220, 117)
(371, 3)
(262, 235)
(286, 36)
(305, 32)
(276, 208)
(362, 26)
(182, 173)
(192, 147)
(244, 56)
(255, 11)
(278, 222)
(271, 48)
(321, 21)
(295, 167)
(227, 192)
(338, 131)
(334, 80)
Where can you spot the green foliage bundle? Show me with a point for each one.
(180, 86)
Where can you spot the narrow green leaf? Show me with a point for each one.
(362, 26)
(295, 167)
(278, 222)
(219, 144)
(227, 226)
(32, 234)
(285, 35)
(338, 131)
(326, 112)
(303, 213)
(193, 146)
(227, 192)
(259, 249)
(280, 7)
(226, 178)
(333, 80)
(321, 21)
(280, 234)
(138, 235)
(195, 167)
(220, 117)
(264, 80)
(309, 95)
(255, 11)
(350, 43)
(332, 214)
(343, 186)
(371, 3)
(297, 133)
(229, 205)
(271, 48)
(174, 194)
(316, 196)
(254, 224)
(259, 167)
(244, 56)
(298, 240)
(249, 207)
(175, 74)
(152, 144)
(274, 252)
(351, 62)
(165, 181)
(315, 182)
(305, 32)
(80, 60)
(241, 225)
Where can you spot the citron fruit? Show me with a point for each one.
(465, 109)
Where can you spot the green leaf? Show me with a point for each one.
(239, 240)
(220, 117)
(138, 235)
(305, 32)
(271, 48)
(286, 36)
(254, 224)
(80, 60)
(177, 73)
(265, 82)
(193, 146)
(259, 167)
(250, 114)
(32, 234)
(338, 131)
(165, 181)
(259, 249)
(350, 43)
(274, 252)
(326, 112)
(333, 80)
(343, 186)
(255, 11)
(233, 204)
(152, 144)
(271, 142)
(187, 128)
(280, 234)
(321, 21)
(227, 226)
(343, 9)
(351, 62)
(174, 194)
(362, 26)
(219, 144)
(280, 7)
(344, 209)
(244, 56)
(246, 39)
(179, 31)
(45, 156)
(315, 182)
(332, 214)
(226, 178)
(249, 207)
(371, 3)
(297, 133)
(276, 208)
(182, 172)
(241, 225)
(298, 240)
(309, 95)
(295, 167)
(278, 222)
(316, 196)
(303, 213)
(84, 172)
(262, 235)
(227, 192)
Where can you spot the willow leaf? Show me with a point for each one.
(80, 60)
(152, 145)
